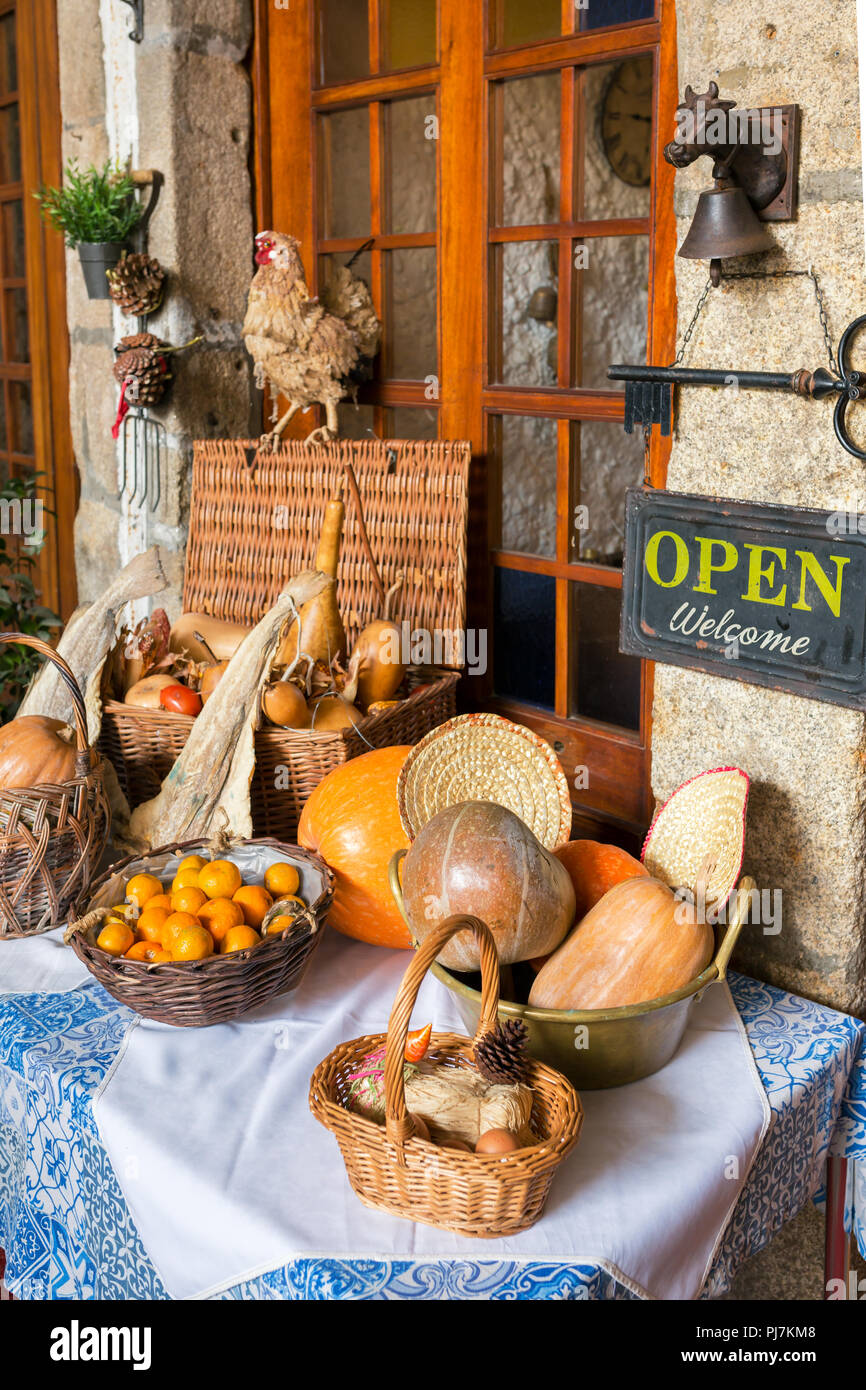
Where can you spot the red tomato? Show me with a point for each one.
(179, 699)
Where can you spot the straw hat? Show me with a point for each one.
(483, 757)
(704, 818)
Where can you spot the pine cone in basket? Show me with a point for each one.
(142, 367)
(136, 284)
(501, 1056)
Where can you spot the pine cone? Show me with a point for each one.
(501, 1055)
(136, 284)
(142, 366)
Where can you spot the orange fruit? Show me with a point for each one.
(115, 938)
(282, 879)
(149, 951)
(184, 878)
(218, 915)
(175, 922)
(191, 943)
(142, 887)
(239, 939)
(277, 925)
(219, 879)
(161, 900)
(151, 924)
(192, 861)
(187, 900)
(253, 902)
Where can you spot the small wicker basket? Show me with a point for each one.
(253, 527)
(51, 836)
(194, 994)
(392, 1170)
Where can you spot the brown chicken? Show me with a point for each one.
(313, 351)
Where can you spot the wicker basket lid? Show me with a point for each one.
(483, 757)
(704, 818)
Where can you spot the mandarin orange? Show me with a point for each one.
(184, 878)
(219, 879)
(191, 943)
(254, 902)
(142, 887)
(175, 922)
(115, 938)
(239, 939)
(188, 900)
(151, 924)
(192, 861)
(282, 879)
(218, 915)
(148, 951)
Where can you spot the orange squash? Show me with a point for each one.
(637, 943)
(595, 868)
(35, 749)
(352, 821)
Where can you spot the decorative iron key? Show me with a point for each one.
(649, 390)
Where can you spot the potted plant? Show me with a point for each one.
(96, 210)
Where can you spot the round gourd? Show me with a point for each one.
(352, 821)
(638, 943)
(284, 704)
(36, 750)
(480, 858)
(146, 692)
(595, 868)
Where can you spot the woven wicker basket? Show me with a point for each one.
(251, 528)
(51, 836)
(390, 1169)
(194, 994)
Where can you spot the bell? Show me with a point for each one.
(725, 224)
(542, 304)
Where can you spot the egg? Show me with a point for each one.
(497, 1141)
(421, 1129)
(458, 1144)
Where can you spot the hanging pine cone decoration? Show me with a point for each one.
(136, 284)
(501, 1056)
(142, 369)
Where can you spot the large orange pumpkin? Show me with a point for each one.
(594, 869)
(352, 821)
(637, 943)
(36, 750)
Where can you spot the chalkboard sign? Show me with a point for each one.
(775, 596)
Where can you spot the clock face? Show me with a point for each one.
(626, 121)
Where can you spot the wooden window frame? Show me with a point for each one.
(286, 111)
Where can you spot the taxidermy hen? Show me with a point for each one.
(312, 351)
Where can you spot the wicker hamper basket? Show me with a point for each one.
(393, 1170)
(51, 836)
(251, 528)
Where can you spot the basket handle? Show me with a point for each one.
(397, 889)
(82, 759)
(398, 1124)
(729, 940)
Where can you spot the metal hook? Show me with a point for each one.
(136, 33)
(849, 387)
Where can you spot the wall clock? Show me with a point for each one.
(626, 121)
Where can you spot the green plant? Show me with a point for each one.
(20, 610)
(93, 205)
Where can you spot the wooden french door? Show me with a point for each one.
(498, 168)
(34, 356)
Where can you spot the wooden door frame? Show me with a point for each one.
(286, 195)
(42, 163)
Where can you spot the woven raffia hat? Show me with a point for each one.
(704, 819)
(483, 757)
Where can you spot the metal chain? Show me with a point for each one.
(691, 328)
(767, 275)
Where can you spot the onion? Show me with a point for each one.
(211, 679)
(145, 693)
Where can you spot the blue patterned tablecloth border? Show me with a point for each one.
(68, 1232)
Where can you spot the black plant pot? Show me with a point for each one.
(96, 258)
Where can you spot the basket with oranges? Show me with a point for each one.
(190, 935)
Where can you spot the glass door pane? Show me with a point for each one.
(605, 685)
(409, 33)
(524, 21)
(344, 41)
(344, 173)
(524, 637)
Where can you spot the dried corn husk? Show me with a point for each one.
(87, 639)
(457, 1103)
(214, 770)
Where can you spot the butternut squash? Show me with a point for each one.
(638, 943)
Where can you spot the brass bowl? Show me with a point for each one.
(600, 1048)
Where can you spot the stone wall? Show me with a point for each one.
(806, 828)
(180, 103)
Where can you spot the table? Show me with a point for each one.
(68, 1233)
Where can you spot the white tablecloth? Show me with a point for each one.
(227, 1174)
